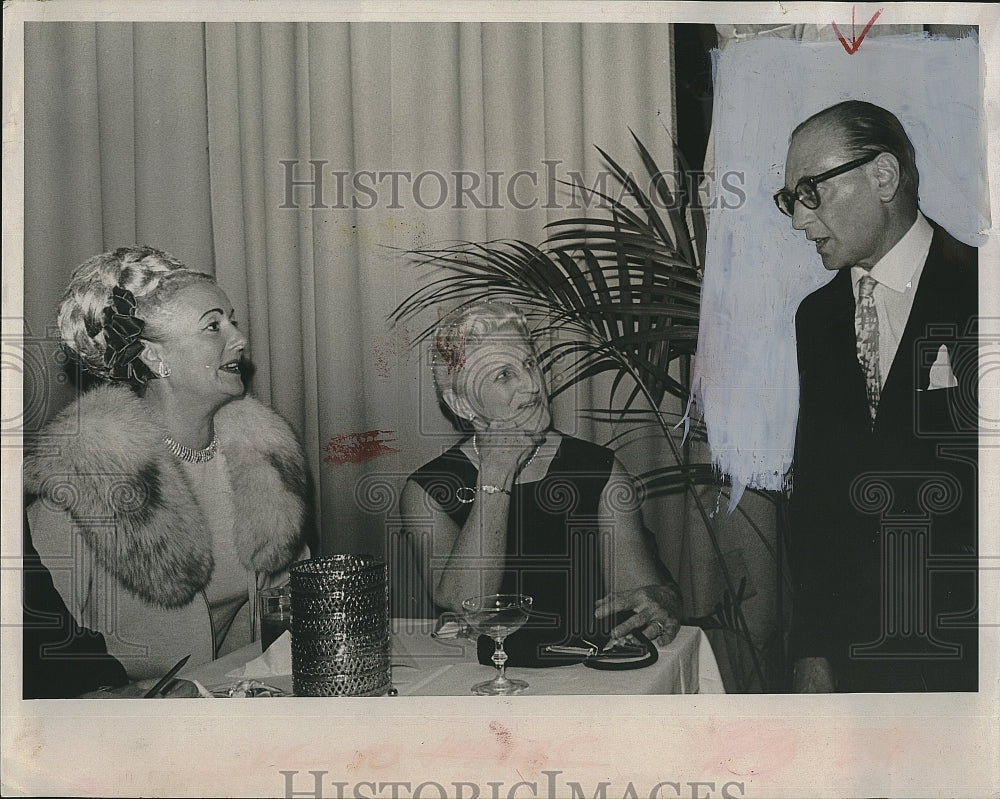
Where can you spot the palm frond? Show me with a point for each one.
(622, 291)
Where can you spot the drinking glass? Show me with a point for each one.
(275, 614)
(498, 615)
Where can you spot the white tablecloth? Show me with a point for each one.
(425, 666)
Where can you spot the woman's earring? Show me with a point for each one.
(163, 370)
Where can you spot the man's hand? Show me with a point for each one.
(813, 676)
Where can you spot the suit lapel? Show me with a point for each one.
(843, 341)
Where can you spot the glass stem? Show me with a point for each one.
(499, 659)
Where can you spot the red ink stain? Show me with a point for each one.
(358, 447)
(753, 750)
(503, 737)
(389, 348)
(566, 752)
(856, 40)
(374, 758)
(451, 349)
(381, 360)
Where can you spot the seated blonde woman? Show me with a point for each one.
(518, 506)
(163, 499)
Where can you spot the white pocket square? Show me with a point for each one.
(941, 375)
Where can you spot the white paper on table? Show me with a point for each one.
(203, 692)
(275, 662)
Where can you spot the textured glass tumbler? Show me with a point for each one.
(340, 627)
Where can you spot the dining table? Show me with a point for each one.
(424, 664)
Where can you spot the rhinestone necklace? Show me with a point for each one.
(527, 463)
(189, 455)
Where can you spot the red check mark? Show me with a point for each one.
(855, 42)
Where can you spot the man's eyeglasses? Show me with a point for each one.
(805, 190)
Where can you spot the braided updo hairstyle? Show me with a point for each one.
(151, 276)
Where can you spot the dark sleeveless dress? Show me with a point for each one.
(556, 548)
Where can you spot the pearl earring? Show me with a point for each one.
(163, 370)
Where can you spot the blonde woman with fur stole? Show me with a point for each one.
(162, 500)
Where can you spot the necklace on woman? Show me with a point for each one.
(527, 463)
(190, 455)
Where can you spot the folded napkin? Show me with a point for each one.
(203, 692)
(275, 662)
(449, 628)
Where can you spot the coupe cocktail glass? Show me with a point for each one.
(498, 615)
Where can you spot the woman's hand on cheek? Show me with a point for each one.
(506, 448)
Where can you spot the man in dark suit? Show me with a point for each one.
(60, 659)
(883, 540)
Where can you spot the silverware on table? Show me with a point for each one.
(165, 679)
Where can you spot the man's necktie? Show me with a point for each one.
(866, 328)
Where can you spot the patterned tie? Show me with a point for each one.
(866, 328)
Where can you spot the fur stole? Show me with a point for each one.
(102, 460)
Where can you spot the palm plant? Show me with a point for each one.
(620, 295)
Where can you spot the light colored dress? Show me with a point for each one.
(227, 591)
